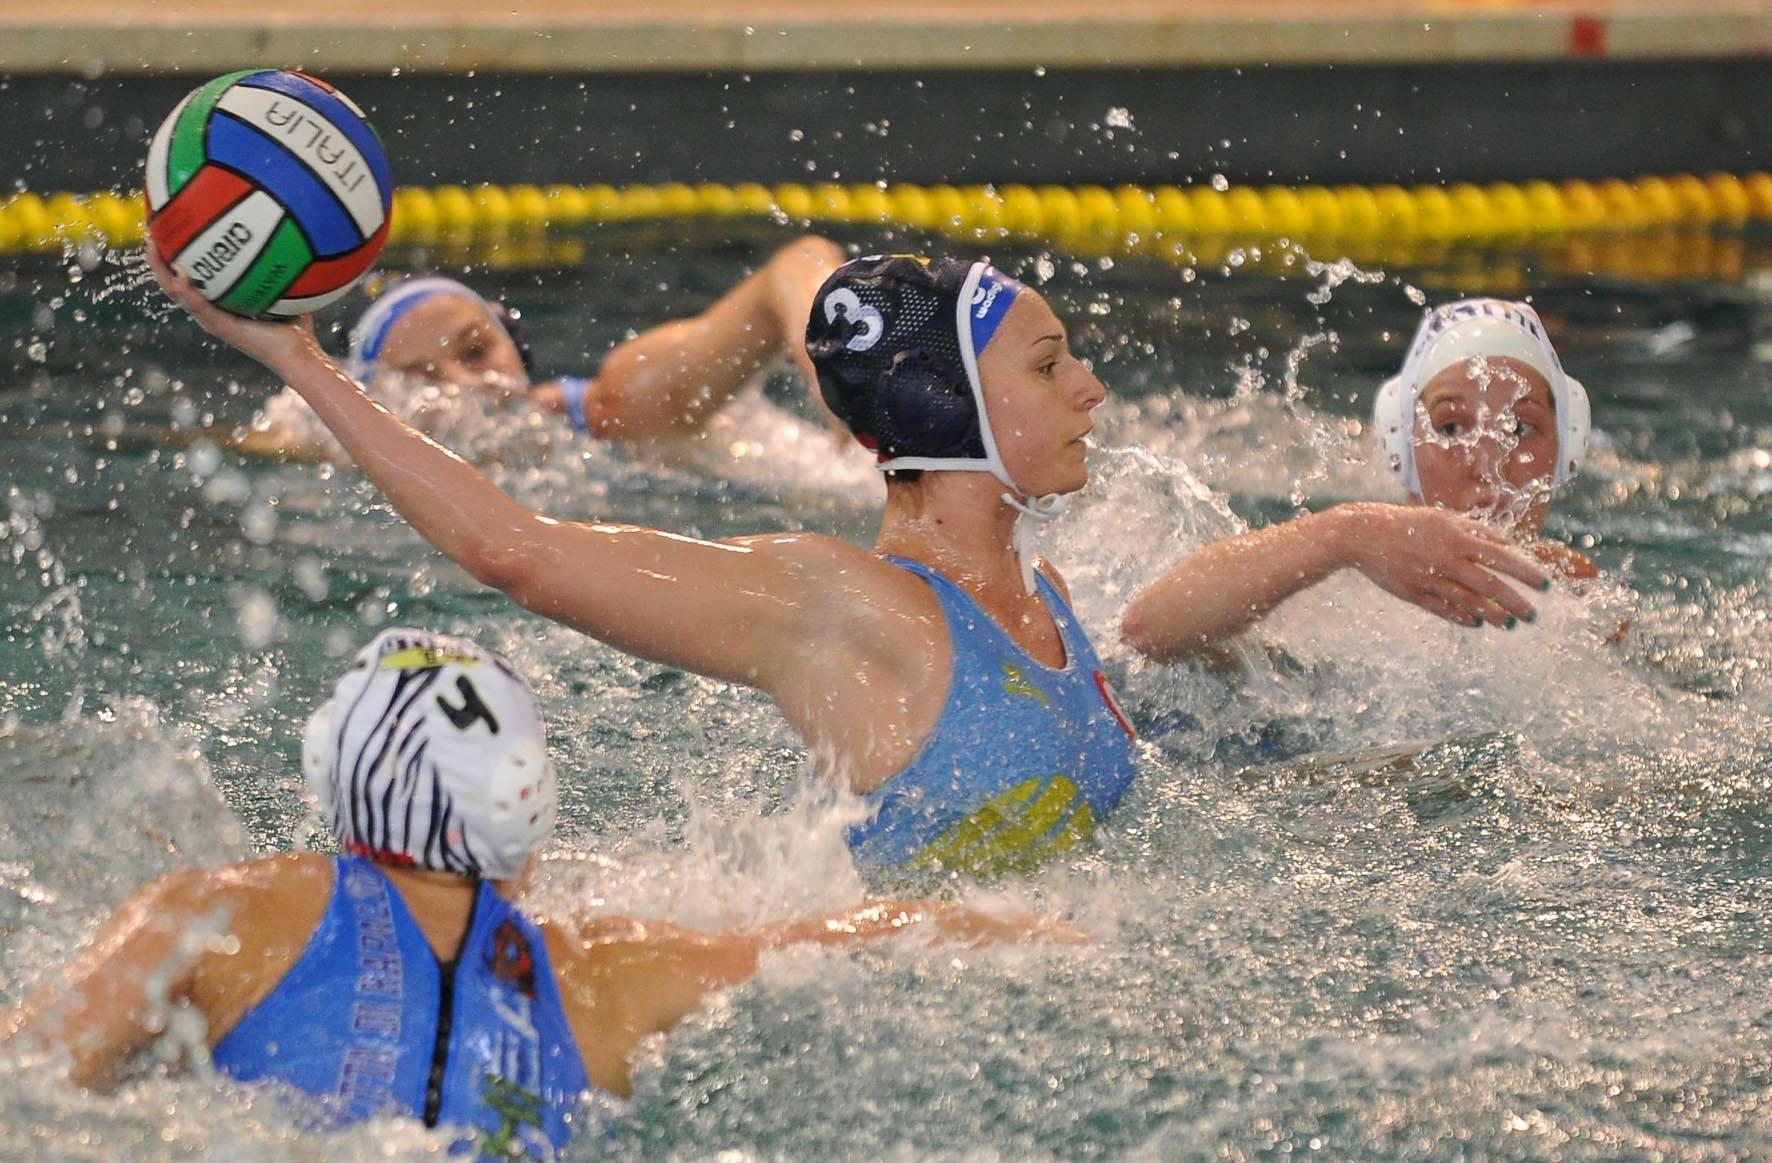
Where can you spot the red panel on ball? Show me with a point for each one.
(331, 273)
(203, 199)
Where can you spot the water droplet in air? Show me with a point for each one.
(258, 621)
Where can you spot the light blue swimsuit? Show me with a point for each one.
(1023, 762)
(369, 1022)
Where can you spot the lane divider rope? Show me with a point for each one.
(1186, 223)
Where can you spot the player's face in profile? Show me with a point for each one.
(451, 340)
(1486, 439)
(1039, 397)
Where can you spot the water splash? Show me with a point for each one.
(751, 444)
(58, 615)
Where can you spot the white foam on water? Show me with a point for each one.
(752, 444)
(1364, 669)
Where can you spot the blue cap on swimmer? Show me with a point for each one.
(895, 340)
(1472, 329)
(371, 332)
(431, 754)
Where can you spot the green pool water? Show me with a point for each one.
(1395, 890)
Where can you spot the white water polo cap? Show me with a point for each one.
(431, 754)
(1472, 329)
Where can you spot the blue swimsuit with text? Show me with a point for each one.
(370, 1023)
(1023, 762)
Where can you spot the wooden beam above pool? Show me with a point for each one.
(610, 36)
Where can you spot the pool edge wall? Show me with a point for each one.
(1325, 124)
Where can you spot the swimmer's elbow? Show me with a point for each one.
(534, 561)
(1144, 633)
(1161, 636)
(532, 572)
(510, 569)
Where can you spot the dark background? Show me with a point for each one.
(1319, 124)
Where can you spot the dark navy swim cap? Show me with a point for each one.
(896, 355)
(895, 340)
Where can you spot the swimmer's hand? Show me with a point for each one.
(269, 342)
(1450, 565)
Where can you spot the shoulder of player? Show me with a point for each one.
(268, 909)
(851, 613)
(810, 551)
(834, 572)
(266, 904)
(307, 873)
(1050, 572)
(271, 905)
(200, 888)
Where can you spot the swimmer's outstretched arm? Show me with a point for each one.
(213, 939)
(113, 999)
(731, 611)
(1447, 564)
(669, 379)
(645, 977)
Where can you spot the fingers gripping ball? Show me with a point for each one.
(270, 190)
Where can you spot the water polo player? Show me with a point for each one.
(940, 674)
(398, 978)
(437, 333)
(1480, 425)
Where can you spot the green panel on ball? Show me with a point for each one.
(279, 264)
(184, 155)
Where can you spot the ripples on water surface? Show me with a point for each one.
(1402, 890)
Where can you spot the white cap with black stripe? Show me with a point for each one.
(431, 754)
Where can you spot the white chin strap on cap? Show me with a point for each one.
(1039, 509)
(985, 298)
(431, 754)
(1477, 329)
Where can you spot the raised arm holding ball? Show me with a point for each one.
(272, 193)
(941, 674)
